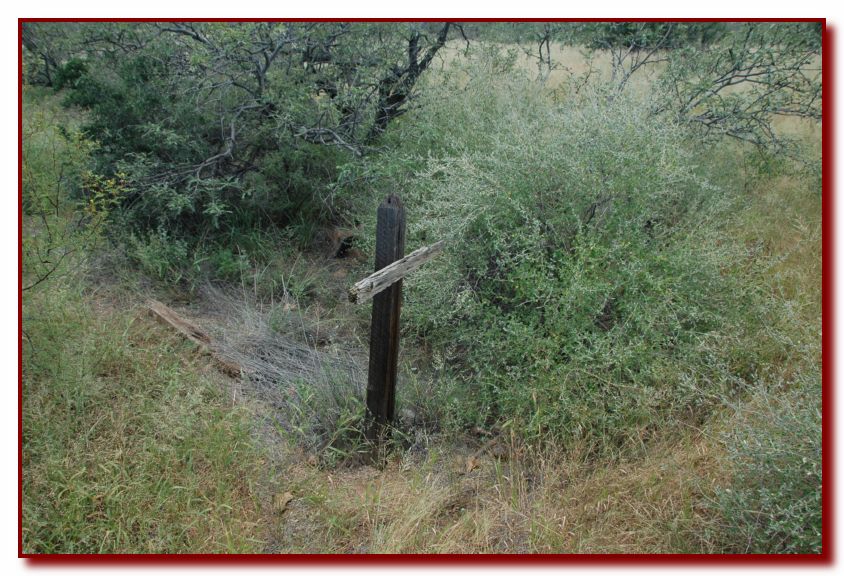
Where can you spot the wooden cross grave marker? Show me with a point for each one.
(384, 287)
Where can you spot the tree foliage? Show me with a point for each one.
(722, 80)
(221, 125)
(47, 46)
(737, 87)
(191, 111)
(649, 35)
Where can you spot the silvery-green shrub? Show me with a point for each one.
(584, 281)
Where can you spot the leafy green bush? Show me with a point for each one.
(144, 129)
(69, 74)
(222, 129)
(584, 281)
(161, 256)
(773, 504)
(148, 132)
(64, 203)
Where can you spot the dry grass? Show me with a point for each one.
(567, 63)
(508, 501)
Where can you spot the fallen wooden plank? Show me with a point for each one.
(168, 316)
(385, 277)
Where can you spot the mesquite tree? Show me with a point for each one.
(216, 121)
(726, 80)
(737, 87)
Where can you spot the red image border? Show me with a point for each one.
(827, 358)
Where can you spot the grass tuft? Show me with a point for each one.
(129, 445)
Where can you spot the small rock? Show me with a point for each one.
(280, 501)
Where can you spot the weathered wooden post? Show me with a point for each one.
(386, 308)
(384, 287)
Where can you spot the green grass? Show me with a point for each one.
(129, 445)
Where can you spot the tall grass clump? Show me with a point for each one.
(585, 291)
(316, 388)
(128, 445)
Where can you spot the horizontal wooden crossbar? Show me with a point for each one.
(387, 276)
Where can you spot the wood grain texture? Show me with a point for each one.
(367, 288)
(169, 317)
(384, 333)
